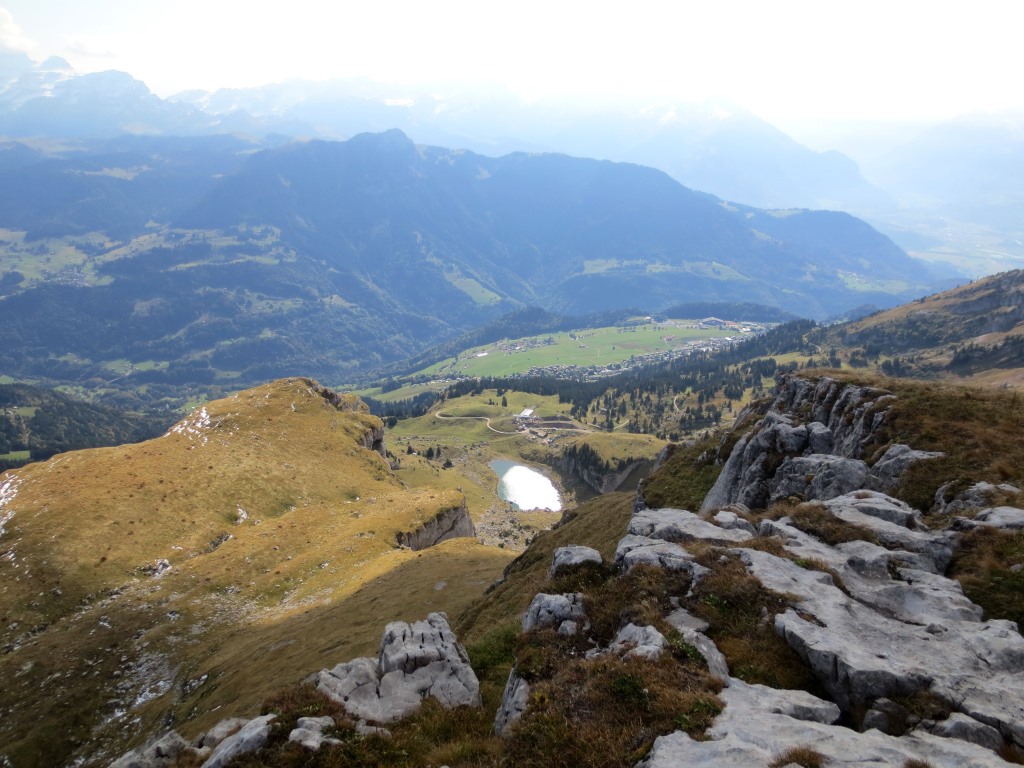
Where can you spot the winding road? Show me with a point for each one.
(443, 415)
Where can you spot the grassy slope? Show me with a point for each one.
(592, 346)
(305, 581)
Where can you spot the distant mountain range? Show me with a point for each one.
(207, 259)
(726, 151)
(948, 191)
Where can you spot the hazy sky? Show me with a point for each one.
(786, 61)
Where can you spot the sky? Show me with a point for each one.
(788, 62)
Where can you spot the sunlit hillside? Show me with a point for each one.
(195, 572)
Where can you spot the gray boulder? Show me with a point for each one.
(162, 753)
(573, 555)
(249, 738)
(415, 661)
(309, 732)
(554, 610)
(513, 703)
(1009, 518)
(638, 642)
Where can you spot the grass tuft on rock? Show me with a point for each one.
(741, 613)
(806, 757)
(608, 711)
(984, 563)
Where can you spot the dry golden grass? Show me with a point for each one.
(983, 563)
(816, 520)
(304, 579)
(806, 757)
(741, 614)
(607, 711)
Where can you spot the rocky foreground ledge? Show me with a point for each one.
(873, 617)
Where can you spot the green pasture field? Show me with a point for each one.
(591, 347)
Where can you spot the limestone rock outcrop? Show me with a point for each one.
(759, 724)
(452, 523)
(810, 444)
(596, 477)
(415, 661)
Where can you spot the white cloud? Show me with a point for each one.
(12, 38)
(88, 47)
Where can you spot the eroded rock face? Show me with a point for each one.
(415, 661)
(810, 444)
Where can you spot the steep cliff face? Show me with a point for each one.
(599, 479)
(451, 523)
(810, 443)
